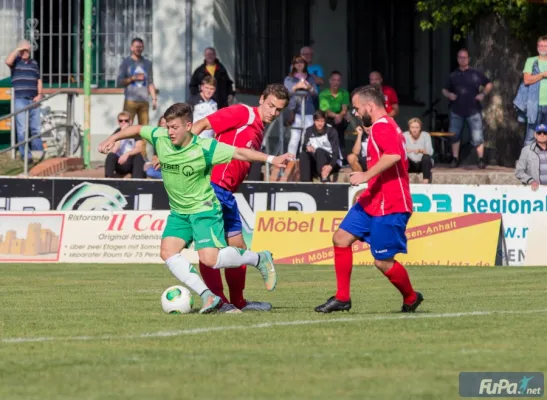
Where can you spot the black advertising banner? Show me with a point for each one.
(33, 194)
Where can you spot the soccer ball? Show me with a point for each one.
(177, 300)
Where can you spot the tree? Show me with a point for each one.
(504, 33)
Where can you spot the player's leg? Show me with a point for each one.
(210, 242)
(176, 236)
(388, 239)
(355, 226)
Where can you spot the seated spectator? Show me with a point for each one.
(153, 168)
(320, 153)
(126, 156)
(204, 104)
(358, 158)
(532, 163)
(419, 149)
(300, 83)
(391, 101)
(334, 101)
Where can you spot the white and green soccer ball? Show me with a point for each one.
(177, 300)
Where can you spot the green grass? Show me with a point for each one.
(372, 355)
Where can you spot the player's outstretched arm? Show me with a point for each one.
(127, 133)
(385, 162)
(200, 126)
(252, 155)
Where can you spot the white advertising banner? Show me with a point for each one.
(516, 203)
(84, 237)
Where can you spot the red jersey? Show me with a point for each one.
(390, 98)
(240, 126)
(388, 192)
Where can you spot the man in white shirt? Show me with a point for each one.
(203, 103)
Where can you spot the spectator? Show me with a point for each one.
(532, 163)
(391, 102)
(301, 86)
(153, 168)
(419, 149)
(463, 89)
(536, 109)
(334, 101)
(358, 158)
(204, 104)
(320, 151)
(27, 89)
(315, 70)
(137, 76)
(126, 155)
(211, 66)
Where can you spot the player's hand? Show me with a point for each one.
(452, 96)
(356, 178)
(359, 130)
(535, 186)
(325, 171)
(107, 145)
(123, 158)
(282, 160)
(156, 163)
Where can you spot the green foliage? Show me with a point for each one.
(526, 20)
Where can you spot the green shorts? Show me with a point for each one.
(205, 229)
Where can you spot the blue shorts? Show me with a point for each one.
(385, 234)
(230, 211)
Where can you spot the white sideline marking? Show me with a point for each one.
(196, 331)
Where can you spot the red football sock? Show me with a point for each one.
(235, 278)
(343, 264)
(213, 280)
(398, 276)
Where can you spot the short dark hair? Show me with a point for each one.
(336, 72)
(319, 114)
(137, 39)
(179, 110)
(542, 38)
(278, 90)
(372, 93)
(209, 80)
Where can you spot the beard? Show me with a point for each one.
(542, 54)
(366, 119)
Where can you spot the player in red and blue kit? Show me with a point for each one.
(381, 214)
(240, 126)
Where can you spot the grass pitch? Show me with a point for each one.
(98, 332)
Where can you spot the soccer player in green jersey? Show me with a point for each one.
(196, 215)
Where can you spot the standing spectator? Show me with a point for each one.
(27, 89)
(126, 155)
(463, 89)
(137, 76)
(532, 163)
(301, 86)
(203, 103)
(315, 70)
(211, 66)
(153, 168)
(535, 72)
(419, 149)
(320, 151)
(391, 101)
(334, 101)
(358, 158)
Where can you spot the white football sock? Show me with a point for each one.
(186, 273)
(232, 257)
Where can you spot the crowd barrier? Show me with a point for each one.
(519, 206)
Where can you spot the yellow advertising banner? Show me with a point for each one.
(454, 239)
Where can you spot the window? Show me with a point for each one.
(381, 38)
(12, 28)
(268, 34)
(56, 31)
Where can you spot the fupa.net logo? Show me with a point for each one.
(501, 384)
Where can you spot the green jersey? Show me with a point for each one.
(186, 170)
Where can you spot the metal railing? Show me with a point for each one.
(70, 123)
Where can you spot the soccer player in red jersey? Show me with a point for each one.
(381, 214)
(240, 126)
